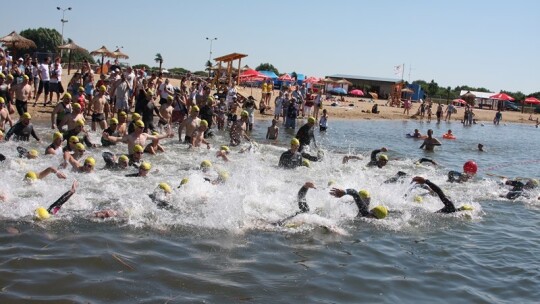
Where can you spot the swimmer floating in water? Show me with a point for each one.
(448, 204)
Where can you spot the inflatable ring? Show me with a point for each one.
(448, 136)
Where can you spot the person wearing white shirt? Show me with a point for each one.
(44, 80)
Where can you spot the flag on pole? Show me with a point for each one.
(397, 69)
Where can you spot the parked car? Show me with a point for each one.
(537, 110)
(509, 106)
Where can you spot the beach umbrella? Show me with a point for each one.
(118, 54)
(502, 96)
(285, 77)
(327, 80)
(469, 97)
(356, 92)
(344, 81)
(312, 79)
(72, 46)
(532, 100)
(340, 91)
(104, 52)
(16, 41)
(407, 90)
(251, 74)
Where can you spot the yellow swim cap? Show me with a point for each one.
(184, 181)
(466, 207)
(165, 187)
(42, 214)
(25, 77)
(224, 148)
(90, 161)
(80, 123)
(139, 123)
(311, 120)
(135, 116)
(206, 164)
(170, 98)
(204, 123)
(155, 133)
(34, 153)
(383, 157)
(150, 93)
(73, 139)
(113, 121)
(76, 105)
(138, 148)
(364, 194)
(244, 114)
(31, 175)
(145, 166)
(306, 163)
(9, 76)
(26, 115)
(57, 135)
(295, 142)
(223, 176)
(2, 75)
(330, 183)
(123, 158)
(67, 95)
(379, 212)
(122, 113)
(418, 199)
(195, 109)
(81, 89)
(80, 147)
(102, 88)
(533, 182)
(2, 100)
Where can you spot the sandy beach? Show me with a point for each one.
(352, 109)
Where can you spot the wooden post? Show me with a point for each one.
(239, 61)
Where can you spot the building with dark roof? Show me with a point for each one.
(379, 85)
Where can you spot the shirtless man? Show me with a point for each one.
(72, 119)
(190, 124)
(97, 108)
(122, 124)
(430, 142)
(60, 111)
(23, 92)
(238, 129)
(4, 115)
(56, 146)
(165, 111)
(138, 137)
(198, 135)
(273, 131)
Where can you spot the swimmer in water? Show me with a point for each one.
(362, 199)
(379, 161)
(144, 168)
(154, 146)
(223, 153)
(273, 131)
(56, 146)
(87, 167)
(32, 176)
(302, 203)
(30, 154)
(291, 158)
(112, 164)
(520, 188)
(469, 171)
(43, 214)
(430, 142)
(448, 204)
(162, 196)
(305, 134)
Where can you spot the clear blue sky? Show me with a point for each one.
(491, 44)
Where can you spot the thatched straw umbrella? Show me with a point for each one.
(469, 98)
(118, 54)
(72, 46)
(16, 41)
(103, 51)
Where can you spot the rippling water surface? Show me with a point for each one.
(218, 244)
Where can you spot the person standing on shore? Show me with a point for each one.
(450, 109)
(498, 117)
(407, 106)
(23, 91)
(44, 79)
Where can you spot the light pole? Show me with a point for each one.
(63, 20)
(211, 40)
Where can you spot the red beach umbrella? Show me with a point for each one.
(357, 92)
(532, 100)
(502, 96)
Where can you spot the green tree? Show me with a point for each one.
(178, 71)
(140, 66)
(432, 88)
(267, 67)
(294, 75)
(200, 73)
(159, 59)
(46, 39)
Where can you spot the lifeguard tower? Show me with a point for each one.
(229, 70)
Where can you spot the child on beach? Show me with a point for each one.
(497, 118)
(273, 131)
(323, 123)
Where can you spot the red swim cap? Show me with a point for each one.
(470, 167)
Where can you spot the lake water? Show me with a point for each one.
(218, 246)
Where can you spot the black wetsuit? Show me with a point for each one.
(373, 160)
(517, 190)
(457, 177)
(21, 132)
(136, 174)
(148, 116)
(53, 209)
(161, 204)
(400, 175)
(304, 136)
(291, 160)
(448, 205)
(363, 205)
(67, 134)
(111, 132)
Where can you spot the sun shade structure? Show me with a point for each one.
(72, 46)
(228, 59)
(502, 96)
(17, 41)
(104, 52)
(118, 54)
(532, 100)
